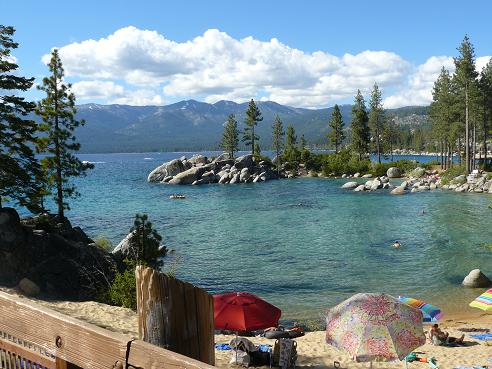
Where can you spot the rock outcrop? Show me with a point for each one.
(201, 170)
(45, 254)
(393, 172)
(476, 279)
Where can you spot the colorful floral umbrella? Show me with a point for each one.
(374, 327)
(431, 313)
(484, 301)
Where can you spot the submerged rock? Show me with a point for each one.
(350, 185)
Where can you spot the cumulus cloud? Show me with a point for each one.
(113, 93)
(216, 66)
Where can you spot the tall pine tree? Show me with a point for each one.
(278, 144)
(465, 77)
(376, 119)
(230, 137)
(486, 100)
(360, 128)
(57, 111)
(253, 116)
(291, 152)
(19, 169)
(336, 136)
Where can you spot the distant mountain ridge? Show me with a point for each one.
(192, 125)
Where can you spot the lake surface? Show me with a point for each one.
(303, 244)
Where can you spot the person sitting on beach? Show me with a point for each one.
(397, 245)
(438, 337)
(296, 328)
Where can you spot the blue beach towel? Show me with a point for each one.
(482, 337)
(264, 347)
(222, 346)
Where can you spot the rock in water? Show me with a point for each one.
(245, 161)
(359, 188)
(369, 175)
(350, 185)
(189, 176)
(393, 172)
(476, 279)
(398, 191)
(29, 287)
(198, 159)
(244, 176)
(169, 169)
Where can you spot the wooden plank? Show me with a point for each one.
(191, 337)
(28, 354)
(81, 343)
(147, 356)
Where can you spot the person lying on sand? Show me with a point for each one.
(438, 337)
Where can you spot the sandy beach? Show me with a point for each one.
(313, 352)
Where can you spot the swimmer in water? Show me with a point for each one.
(397, 245)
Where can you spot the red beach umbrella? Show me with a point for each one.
(243, 311)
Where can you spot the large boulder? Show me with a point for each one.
(459, 180)
(476, 279)
(350, 185)
(368, 175)
(376, 184)
(245, 175)
(417, 172)
(198, 160)
(245, 161)
(359, 188)
(393, 172)
(223, 156)
(169, 169)
(189, 176)
(398, 191)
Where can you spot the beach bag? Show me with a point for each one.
(240, 357)
(285, 353)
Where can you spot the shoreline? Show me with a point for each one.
(313, 352)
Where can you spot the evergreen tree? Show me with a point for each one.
(465, 79)
(230, 137)
(19, 169)
(57, 111)
(376, 118)
(443, 115)
(145, 242)
(390, 135)
(291, 152)
(302, 143)
(253, 116)
(278, 144)
(486, 100)
(336, 136)
(360, 128)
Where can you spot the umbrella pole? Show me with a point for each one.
(236, 345)
(370, 364)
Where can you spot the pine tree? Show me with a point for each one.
(230, 137)
(360, 128)
(291, 152)
(278, 144)
(376, 118)
(57, 111)
(302, 143)
(19, 169)
(336, 136)
(486, 100)
(442, 113)
(465, 79)
(145, 242)
(253, 116)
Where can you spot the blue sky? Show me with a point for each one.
(400, 45)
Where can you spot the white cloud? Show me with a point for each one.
(216, 66)
(113, 93)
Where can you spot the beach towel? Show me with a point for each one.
(482, 337)
(223, 346)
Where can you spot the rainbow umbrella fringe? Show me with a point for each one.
(484, 301)
(430, 312)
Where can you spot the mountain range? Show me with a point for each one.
(192, 125)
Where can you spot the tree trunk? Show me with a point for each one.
(253, 139)
(467, 133)
(474, 145)
(59, 189)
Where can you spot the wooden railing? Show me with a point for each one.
(35, 337)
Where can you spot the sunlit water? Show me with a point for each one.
(303, 244)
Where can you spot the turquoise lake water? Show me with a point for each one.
(303, 244)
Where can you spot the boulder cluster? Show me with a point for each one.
(201, 170)
(45, 254)
(473, 183)
(370, 185)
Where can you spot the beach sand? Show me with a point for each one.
(312, 350)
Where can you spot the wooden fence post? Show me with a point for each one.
(175, 315)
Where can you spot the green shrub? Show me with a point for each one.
(344, 163)
(451, 173)
(123, 291)
(103, 243)
(404, 165)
